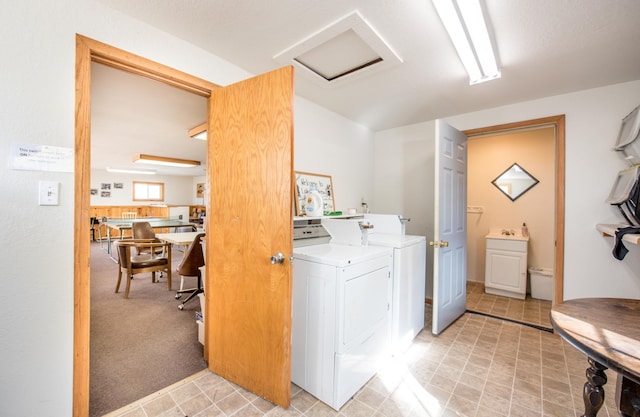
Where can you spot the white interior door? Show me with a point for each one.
(450, 227)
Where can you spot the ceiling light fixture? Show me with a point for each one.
(199, 132)
(131, 171)
(162, 160)
(467, 29)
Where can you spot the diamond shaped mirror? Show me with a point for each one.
(514, 182)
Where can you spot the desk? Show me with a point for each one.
(183, 239)
(607, 330)
(126, 224)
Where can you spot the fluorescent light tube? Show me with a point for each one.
(467, 29)
(131, 171)
(199, 132)
(163, 160)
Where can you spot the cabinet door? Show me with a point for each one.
(506, 271)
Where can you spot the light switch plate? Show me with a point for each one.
(49, 193)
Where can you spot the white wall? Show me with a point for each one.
(593, 118)
(403, 180)
(37, 90)
(178, 190)
(326, 143)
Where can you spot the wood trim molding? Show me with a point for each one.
(88, 50)
(559, 123)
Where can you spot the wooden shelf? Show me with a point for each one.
(610, 230)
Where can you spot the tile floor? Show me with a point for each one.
(529, 310)
(480, 366)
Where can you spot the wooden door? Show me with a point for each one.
(450, 241)
(250, 219)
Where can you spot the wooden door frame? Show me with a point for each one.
(559, 123)
(88, 50)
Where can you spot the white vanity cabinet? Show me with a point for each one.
(506, 266)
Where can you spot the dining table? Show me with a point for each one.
(607, 331)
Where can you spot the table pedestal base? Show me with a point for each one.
(593, 392)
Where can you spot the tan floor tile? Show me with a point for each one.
(467, 392)
(518, 411)
(556, 410)
(303, 401)
(370, 397)
(247, 411)
(195, 404)
(528, 401)
(212, 411)
(497, 390)
(500, 378)
(489, 412)
(356, 408)
(557, 397)
(499, 405)
(463, 406)
(219, 391)
(185, 392)
(527, 387)
(232, 403)
(320, 409)
(478, 367)
(443, 382)
(159, 405)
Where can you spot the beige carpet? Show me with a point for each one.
(141, 344)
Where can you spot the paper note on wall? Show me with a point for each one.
(30, 157)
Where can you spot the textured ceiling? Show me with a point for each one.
(545, 48)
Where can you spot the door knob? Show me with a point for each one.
(278, 258)
(444, 244)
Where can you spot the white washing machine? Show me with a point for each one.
(341, 318)
(409, 277)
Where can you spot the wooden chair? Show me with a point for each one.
(190, 267)
(129, 215)
(143, 230)
(130, 263)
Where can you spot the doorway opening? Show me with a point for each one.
(553, 219)
(129, 337)
(88, 51)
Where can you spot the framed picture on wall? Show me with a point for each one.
(304, 183)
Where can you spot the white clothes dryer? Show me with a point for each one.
(409, 277)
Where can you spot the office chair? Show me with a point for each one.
(94, 224)
(190, 267)
(133, 264)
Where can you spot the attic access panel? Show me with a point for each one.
(344, 50)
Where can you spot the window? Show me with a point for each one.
(148, 191)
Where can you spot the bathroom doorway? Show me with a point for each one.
(538, 147)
